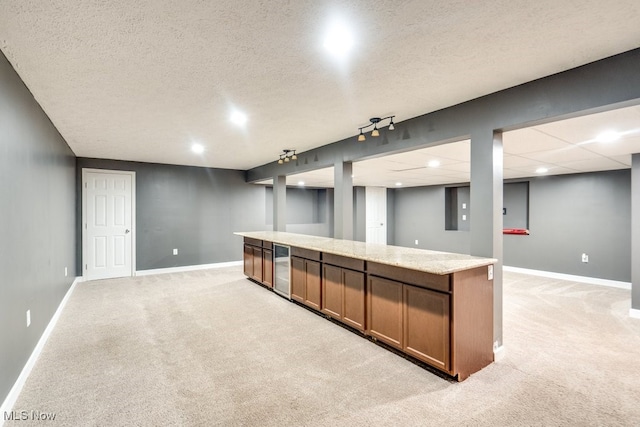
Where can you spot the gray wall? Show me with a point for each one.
(193, 209)
(308, 210)
(37, 220)
(419, 214)
(574, 214)
(359, 214)
(568, 215)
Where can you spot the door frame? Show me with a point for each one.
(83, 226)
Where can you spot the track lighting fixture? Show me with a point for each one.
(286, 156)
(374, 122)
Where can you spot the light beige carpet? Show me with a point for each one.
(212, 348)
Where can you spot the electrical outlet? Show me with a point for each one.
(464, 217)
(175, 252)
(66, 272)
(585, 258)
(490, 272)
(464, 206)
(28, 318)
(416, 241)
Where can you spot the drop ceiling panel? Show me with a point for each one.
(553, 170)
(513, 162)
(566, 154)
(625, 145)
(600, 164)
(459, 151)
(625, 159)
(530, 140)
(586, 128)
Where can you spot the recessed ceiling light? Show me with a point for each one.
(339, 40)
(301, 183)
(398, 184)
(608, 136)
(433, 163)
(542, 170)
(238, 118)
(197, 148)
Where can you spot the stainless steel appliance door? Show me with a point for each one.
(282, 263)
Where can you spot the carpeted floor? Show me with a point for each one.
(212, 348)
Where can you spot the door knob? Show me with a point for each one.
(126, 231)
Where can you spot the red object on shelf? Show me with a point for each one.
(520, 231)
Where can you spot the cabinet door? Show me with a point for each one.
(426, 326)
(384, 310)
(257, 263)
(353, 308)
(298, 279)
(313, 284)
(332, 291)
(267, 267)
(248, 260)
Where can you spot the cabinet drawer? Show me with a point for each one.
(266, 244)
(253, 242)
(341, 261)
(306, 253)
(413, 277)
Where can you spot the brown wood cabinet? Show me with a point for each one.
(426, 326)
(253, 262)
(267, 267)
(305, 281)
(409, 318)
(384, 311)
(248, 260)
(258, 261)
(343, 295)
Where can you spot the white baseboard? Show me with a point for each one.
(635, 313)
(572, 278)
(498, 353)
(187, 268)
(12, 397)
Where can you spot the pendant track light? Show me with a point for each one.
(374, 122)
(287, 155)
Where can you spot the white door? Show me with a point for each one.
(376, 214)
(107, 223)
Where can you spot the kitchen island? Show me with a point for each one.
(436, 307)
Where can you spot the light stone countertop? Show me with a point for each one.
(434, 262)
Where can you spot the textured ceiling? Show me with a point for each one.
(144, 80)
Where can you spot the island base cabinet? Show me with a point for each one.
(253, 262)
(426, 326)
(343, 296)
(332, 291)
(305, 282)
(248, 260)
(384, 311)
(267, 267)
(298, 279)
(354, 299)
